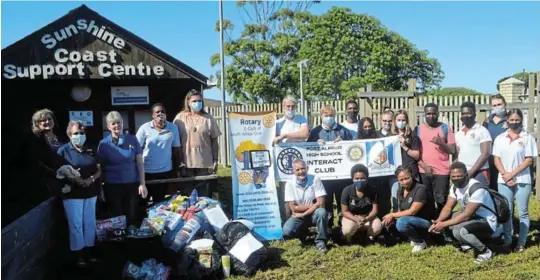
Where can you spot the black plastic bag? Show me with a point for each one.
(188, 265)
(227, 237)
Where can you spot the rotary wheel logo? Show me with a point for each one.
(244, 178)
(268, 121)
(355, 153)
(285, 160)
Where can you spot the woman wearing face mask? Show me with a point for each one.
(514, 152)
(416, 208)
(410, 151)
(496, 124)
(366, 129)
(80, 202)
(359, 206)
(199, 132)
(120, 156)
(160, 141)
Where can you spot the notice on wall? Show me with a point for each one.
(86, 117)
(137, 95)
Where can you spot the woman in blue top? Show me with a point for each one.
(80, 201)
(120, 156)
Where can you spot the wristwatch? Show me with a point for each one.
(93, 179)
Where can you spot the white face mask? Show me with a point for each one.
(78, 139)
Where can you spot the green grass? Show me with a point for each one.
(291, 260)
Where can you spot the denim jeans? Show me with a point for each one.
(319, 218)
(81, 216)
(521, 193)
(415, 228)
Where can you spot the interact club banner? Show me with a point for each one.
(254, 185)
(334, 160)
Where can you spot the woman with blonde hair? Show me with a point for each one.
(410, 149)
(199, 134)
(44, 148)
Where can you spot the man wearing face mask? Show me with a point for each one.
(437, 143)
(476, 222)
(331, 131)
(352, 118)
(473, 144)
(305, 195)
(291, 127)
(386, 124)
(496, 124)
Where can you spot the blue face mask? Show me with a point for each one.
(360, 185)
(401, 125)
(78, 140)
(301, 183)
(196, 106)
(499, 111)
(329, 121)
(290, 113)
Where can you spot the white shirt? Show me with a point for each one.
(284, 125)
(304, 196)
(469, 145)
(481, 196)
(513, 153)
(352, 127)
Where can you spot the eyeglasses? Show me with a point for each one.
(386, 121)
(78, 133)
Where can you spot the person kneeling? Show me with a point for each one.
(359, 203)
(305, 195)
(476, 222)
(416, 208)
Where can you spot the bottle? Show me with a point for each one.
(188, 231)
(193, 198)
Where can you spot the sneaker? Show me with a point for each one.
(419, 246)
(484, 257)
(519, 249)
(463, 248)
(322, 247)
(412, 243)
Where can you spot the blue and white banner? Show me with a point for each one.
(254, 185)
(334, 160)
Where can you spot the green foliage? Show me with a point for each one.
(291, 260)
(347, 51)
(453, 91)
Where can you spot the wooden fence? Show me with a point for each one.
(372, 107)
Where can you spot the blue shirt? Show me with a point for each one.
(495, 129)
(329, 135)
(87, 165)
(118, 161)
(157, 146)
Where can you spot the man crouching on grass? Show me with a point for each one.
(305, 195)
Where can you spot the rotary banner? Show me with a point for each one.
(254, 185)
(334, 160)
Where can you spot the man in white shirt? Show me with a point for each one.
(476, 222)
(305, 195)
(473, 143)
(351, 123)
(291, 127)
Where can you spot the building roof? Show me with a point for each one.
(512, 81)
(84, 11)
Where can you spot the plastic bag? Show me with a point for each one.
(150, 270)
(229, 235)
(107, 225)
(189, 266)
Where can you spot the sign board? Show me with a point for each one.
(86, 117)
(136, 95)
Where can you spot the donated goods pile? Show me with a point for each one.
(203, 241)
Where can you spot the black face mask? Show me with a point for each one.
(432, 122)
(460, 183)
(468, 121)
(514, 126)
(367, 133)
(353, 116)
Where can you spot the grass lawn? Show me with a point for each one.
(290, 260)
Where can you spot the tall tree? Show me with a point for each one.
(453, 91)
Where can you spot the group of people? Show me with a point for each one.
(417, 203)
(121, 164)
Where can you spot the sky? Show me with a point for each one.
(477, 43)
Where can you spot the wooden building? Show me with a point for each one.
(81, 66)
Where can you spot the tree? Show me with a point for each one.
(453, 91)
(346, 51)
